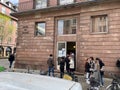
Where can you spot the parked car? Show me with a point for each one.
(25, 81)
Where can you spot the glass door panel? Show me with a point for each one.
(61, 52)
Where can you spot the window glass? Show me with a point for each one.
(60, 26)
(99, 24)
(9, 40)
(41, 4)
(1, 1)
(1, 39)
(62, 2)
(67, 26)
(3, 10)
(40, 29)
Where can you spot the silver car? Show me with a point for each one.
(24, 81)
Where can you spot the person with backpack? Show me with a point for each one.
(50, 63)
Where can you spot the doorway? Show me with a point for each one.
(71, 47)
(65, 48)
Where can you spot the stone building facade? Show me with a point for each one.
(84, 27)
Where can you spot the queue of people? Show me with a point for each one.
(66, 63)
(94, 68)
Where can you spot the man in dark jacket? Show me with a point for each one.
(87, 70)
(50, 63)
(67, 60)
(11, 59)
(62, 64)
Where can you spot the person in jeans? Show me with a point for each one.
(50, 63)
(101, 66)
(87, 70)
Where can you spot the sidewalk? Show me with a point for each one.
(81, 78)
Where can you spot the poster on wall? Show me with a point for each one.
(62, 52)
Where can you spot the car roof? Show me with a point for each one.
(24, 81)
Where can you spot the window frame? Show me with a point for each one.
(36, 24)
(3, 10)
(35, 1)
(98, 31)
(71, 27)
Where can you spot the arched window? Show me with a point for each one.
(8, 51)
(1, 51)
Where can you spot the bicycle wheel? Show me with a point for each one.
(109, 87)
(113, 87)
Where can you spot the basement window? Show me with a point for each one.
(40, 29)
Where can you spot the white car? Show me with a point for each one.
(24, 81)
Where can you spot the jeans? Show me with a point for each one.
(102, 81)
(51, 69)
(61, 72)
(11, 62)
(87, 78)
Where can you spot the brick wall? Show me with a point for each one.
(104, 46)
(28, 4)
(34, 50)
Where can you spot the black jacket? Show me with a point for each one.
(50, 62)
(62, 64)
(87, 67)
(11, 57)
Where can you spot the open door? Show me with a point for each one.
(71, 50)
(64, 48)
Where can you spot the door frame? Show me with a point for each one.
(57, 53)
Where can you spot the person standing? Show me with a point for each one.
(96, 73)
(11, 59)
(87, 70)
(92, 65)
(101, 70)
(50, 63)
(62, 64)
(67, 61)
(71, 65)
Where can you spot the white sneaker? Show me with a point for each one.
(88, 82)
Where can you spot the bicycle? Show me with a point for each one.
(115, 84)
(94, 84)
